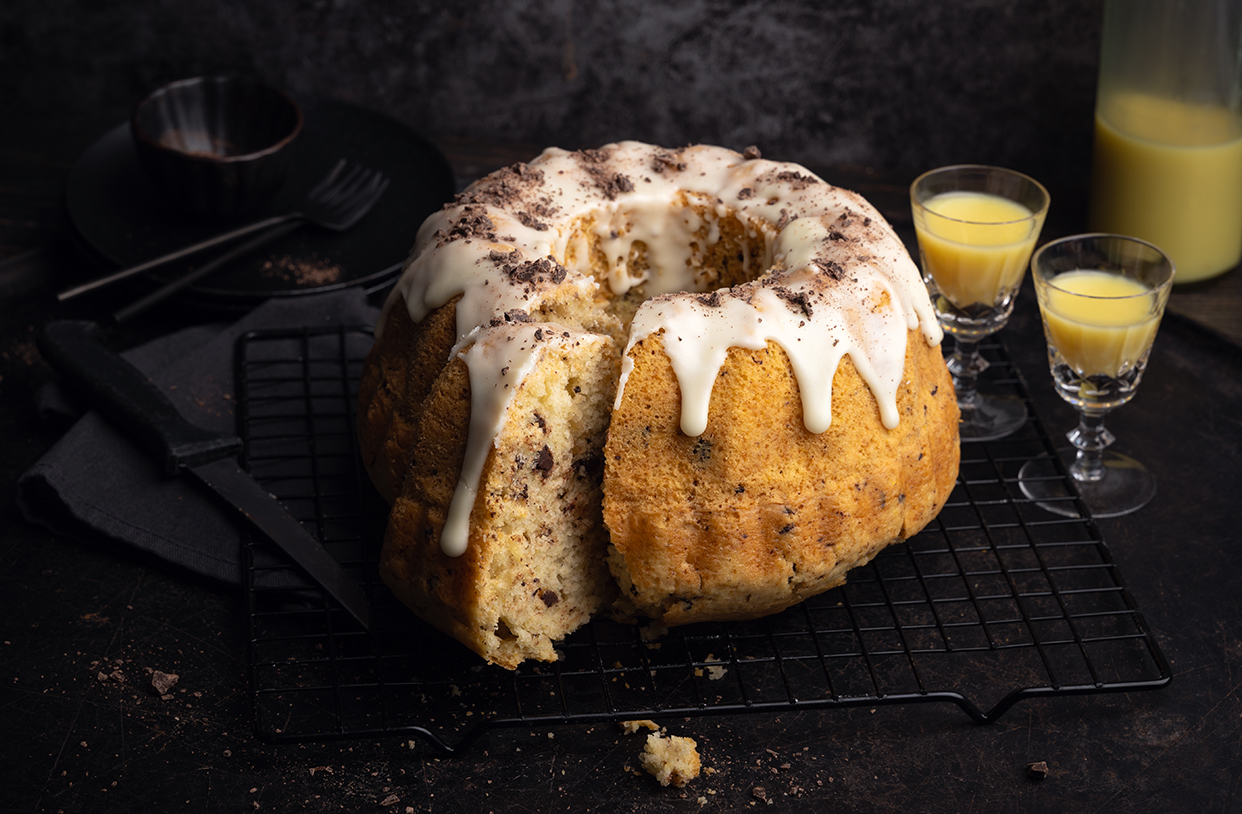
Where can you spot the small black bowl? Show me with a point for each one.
(217, 146)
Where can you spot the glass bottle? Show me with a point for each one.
(1167, 164)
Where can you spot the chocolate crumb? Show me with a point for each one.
(832, 268)
(548, 596)
(712, 300)
(745, 193)
(664, 160)
(543, 461)
(545, 268)
(1037, 771)
(309, 271)
(472, 223)
(796, 300)
(531, 222)
(611, 184)
(501, 188)
(752, 152)
(796, 179)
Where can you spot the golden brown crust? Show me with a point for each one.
(758, 513)
(442, 590)
(400, 370)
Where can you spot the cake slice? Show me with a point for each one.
(527, 561)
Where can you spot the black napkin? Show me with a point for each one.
(94, 483)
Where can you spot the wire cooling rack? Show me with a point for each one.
(996, 601)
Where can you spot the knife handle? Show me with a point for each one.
(127, 397)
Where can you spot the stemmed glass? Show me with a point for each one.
(1101, 298)
(976, 227)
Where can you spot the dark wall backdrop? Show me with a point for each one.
(906, 84)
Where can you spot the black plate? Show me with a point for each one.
(119, 214)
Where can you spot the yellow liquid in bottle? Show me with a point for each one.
(979, 248)
(1101, 323)
(1170, 173)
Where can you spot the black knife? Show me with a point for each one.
(137, 406)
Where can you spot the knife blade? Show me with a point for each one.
(139, 408)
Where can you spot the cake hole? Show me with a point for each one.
(693, 245)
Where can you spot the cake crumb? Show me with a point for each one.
(674, 760)
(162, 682)
(630, 727)
(653, 631)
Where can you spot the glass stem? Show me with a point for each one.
(965, 364)
(1090, 438)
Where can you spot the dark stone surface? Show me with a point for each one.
(891, 83)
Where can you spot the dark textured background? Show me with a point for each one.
(895, 85)
(879, 83)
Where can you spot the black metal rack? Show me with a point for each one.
(996, 601)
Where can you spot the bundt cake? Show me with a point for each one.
(679, 385)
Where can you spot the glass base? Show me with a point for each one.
(990, 417)
(1127, 486)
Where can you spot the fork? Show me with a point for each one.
(337, 202)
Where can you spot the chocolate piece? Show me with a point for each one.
(667, 161)
(832, 268)
(543, 461)
(501, 188)
(785, 219)
(796, 179)
(797, 301)
(472, 223)
(529, 221)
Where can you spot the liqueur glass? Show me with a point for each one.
(1101, 298)
(976, 228)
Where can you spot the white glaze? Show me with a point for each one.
(497, 360)
(822, 244)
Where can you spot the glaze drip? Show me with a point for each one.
(497, 360)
